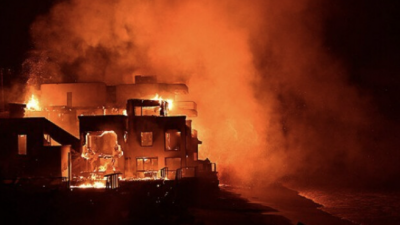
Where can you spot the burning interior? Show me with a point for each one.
(89, 135)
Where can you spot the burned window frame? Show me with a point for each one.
(141, 138)
(179, 142)
(143, 167)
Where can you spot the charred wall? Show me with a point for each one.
(157, 126)
(38, 160)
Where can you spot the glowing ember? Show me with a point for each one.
(97, 184)
(102, 168)
(33, 104)
(159, 98)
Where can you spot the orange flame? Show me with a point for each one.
(97, 184)
(159, 98)
(33, 104)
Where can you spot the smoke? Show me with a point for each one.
(273, 104)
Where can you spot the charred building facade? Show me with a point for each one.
(85, 133)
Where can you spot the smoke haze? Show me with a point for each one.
(273, 103)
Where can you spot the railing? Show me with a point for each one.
(171, 174)
(208, 167)
(112, 181)
(178, 174)
(164, 172)
(186, 172)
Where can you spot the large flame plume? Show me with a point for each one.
(272, 102)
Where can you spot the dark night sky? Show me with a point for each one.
(363, 34)
(15, 20)
(366, 36)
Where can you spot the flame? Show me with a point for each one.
(160, 99)
(97, 184)
(102, 168)
(33, 104)
(94, 181)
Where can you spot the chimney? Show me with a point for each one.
(16, 110)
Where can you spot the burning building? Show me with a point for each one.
(94, 135)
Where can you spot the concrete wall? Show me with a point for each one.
(83, 94)
(148, 91)
(158, 126)
(40, 161)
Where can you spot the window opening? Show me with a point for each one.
(146, 139)
(172, 140)
(146, 164)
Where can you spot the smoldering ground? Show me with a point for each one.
(273, 103)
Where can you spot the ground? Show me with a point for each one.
(152, 202)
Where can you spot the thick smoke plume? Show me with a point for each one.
(272, 103)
